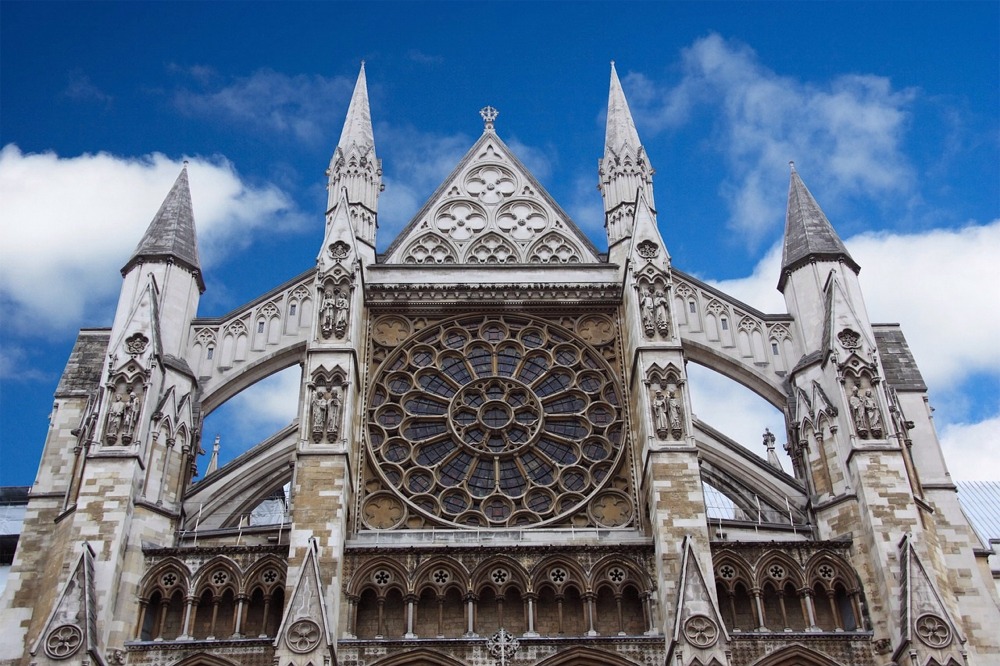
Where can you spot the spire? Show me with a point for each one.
(171, 234)
(809, 236)
(620, 128)
(213, 462)
(624, 170)
(354, 166)
(358, 126)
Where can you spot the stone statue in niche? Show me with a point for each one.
(328, 314)
(858, 412)
(116, 414)
(325, 414)
(662, 313)
(319, 407)
(661, 417)
(674, 414)
(340, 305)
(872, 414)
(130, 417)
(647, 306)
(333, 415)
(865, 413)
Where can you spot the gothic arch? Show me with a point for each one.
(796, 655)
(204, 660)
(581, 656)
(541, 574)
(420, 657)
(218, 390)
(741, 372)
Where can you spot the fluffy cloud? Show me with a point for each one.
(300, 105)
(69, 223)
(940, 285)
(972, 450)
(855, 122)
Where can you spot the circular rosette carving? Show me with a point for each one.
(490, 184)
(596, 329)
(933, 630)
(390, 330)
(611, 508)
(523, 220)
(701, 631)
(460, 220)
(383, 511)
(489, 421)
(63, 641)
(302, 636)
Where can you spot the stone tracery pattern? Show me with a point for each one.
(497, 421)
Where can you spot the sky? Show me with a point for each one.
(889, 110)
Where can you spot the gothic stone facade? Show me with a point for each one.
(495, 459)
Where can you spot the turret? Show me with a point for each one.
(624, 170)
(355, 168)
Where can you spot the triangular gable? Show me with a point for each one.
(305, 628)
(697, 621)
(72, 627)
(925, 620)
(491, 210)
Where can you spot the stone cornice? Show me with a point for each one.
(521, 294)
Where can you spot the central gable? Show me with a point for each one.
(491, 210)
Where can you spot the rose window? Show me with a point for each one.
(495, 421)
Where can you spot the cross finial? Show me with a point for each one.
(489, 114)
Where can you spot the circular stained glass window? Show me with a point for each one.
(491, 421)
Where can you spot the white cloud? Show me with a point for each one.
(972, 450)
(299, 105)
(854, 125)
(942, 285)
(69, 223)
(735, 411)
(415, 163)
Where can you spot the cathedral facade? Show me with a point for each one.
(495, 458)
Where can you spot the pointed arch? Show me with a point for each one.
(204, 659)
(581, 656)
(796, 655)
(419, 657)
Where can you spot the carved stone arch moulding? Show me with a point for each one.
(430, 249)
(666, 401)
(492, 248)
(494, 421)
(553, 248)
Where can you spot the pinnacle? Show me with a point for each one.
(358, 125)
(808, 233)
(620, 128)
(171, 234)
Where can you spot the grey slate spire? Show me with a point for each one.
(171, 234)
(809, 236)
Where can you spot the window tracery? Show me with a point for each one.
(496, 421)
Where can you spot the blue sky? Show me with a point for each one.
(890, 111)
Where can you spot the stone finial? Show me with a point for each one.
(489, 114)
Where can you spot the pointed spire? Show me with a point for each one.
(213, 461)
(171, 234)
(624, 171)
(355, 167)
(809, 236)
(620, 128)
(358, 126)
